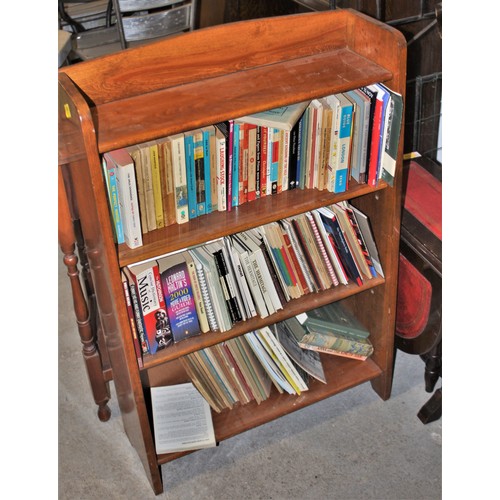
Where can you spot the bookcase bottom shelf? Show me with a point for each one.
(341, 374)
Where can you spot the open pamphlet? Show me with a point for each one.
(182, 419)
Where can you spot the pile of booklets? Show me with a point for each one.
(320, 144)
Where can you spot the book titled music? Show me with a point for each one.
(157, 326)
(179, 297)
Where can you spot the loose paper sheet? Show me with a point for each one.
(182, 419)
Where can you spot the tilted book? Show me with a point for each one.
(284, 117)
(333, 318)
(154, 313)
(179, 297)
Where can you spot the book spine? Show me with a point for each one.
(132, 320)
(157, 185)
(235, 166)
(229, 169)
(179, 301)
(207, 301)
(264, 161)
(180, 180)
(274, 151)
(199, 173)
(197, 295)
(258, 160)
(227, 288)
(322, 249)
(110, 176)
(139, 320)
(167, 180)
(285, 159)
(292, 156)
(207, 166)
(190, 175)
(147, 177)
(341, 180)
(344, 251)
(251, 193)
(127, 194)
(375, 141)
(221, 152)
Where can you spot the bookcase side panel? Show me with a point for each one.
(387, 47)
(89, 197)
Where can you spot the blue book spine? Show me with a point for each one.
(344, 144)
(207, 166)
(190, 175)
(115, 205)
(235, 166)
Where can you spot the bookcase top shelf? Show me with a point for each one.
(231, 70)
(196, 104)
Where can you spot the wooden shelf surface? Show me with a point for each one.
(341, 374)
(291, 308)
(218, 224)
(184, 107)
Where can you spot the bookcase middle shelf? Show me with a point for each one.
(292, 308)
(270, 208)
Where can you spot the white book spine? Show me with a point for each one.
(127, 194)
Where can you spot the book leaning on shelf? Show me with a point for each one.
(332, 329)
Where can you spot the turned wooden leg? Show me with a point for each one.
(432, 367)
(90, 352)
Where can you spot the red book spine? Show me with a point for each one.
(375, 145)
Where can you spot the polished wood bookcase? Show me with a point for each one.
(182, 83)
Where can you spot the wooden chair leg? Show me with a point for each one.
(100, 388)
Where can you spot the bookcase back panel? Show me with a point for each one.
(207, 53)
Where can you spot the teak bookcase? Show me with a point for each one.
(182, 83)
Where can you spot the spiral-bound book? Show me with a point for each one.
(205, 293)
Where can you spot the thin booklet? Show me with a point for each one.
(182, 419)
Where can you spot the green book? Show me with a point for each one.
(333, 318)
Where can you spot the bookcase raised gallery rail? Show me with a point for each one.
(191, 81)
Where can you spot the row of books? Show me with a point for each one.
(213, 286)
(319, 144)
(284, 356)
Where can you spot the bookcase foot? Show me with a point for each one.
(103, 412)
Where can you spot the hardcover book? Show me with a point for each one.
(167, 181)
(180, 179)
(335, 330)
(333, 317)
(284, 117)
(179, 298)
(393, 132)
(127, 196)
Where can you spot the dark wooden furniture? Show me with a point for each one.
(419, 329)
(198, 79)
